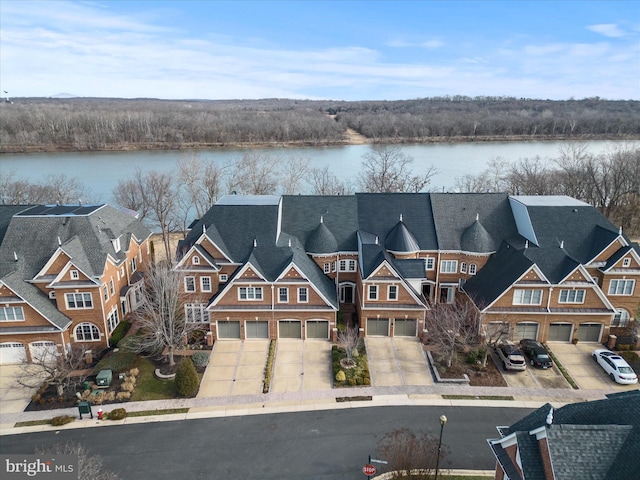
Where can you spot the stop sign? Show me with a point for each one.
(369, 469)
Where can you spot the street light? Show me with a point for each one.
(443, 420)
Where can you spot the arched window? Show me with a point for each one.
(621, 319)
(87, 332)
(195, 260)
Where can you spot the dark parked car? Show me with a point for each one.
(536, 353)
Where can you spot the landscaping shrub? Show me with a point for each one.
(119, 332)
(200, 359)
(117, 414)
(268, 369)
(187, 381)
(630, 357)
(475, 355)
(120, 396)
(341, 376)
(62, 420)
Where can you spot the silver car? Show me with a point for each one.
(618, 369)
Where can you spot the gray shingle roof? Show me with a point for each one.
(606, 430)
(401, 240)
(321, 240)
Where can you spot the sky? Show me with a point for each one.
(304, 49)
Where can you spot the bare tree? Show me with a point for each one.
(161, 316)
(53, 189)
(129, 193)
(200, 182)
(53, 368)
(531, 176)
(255, 174)
(293, 171)
(387, 169)
(494, 334)
(90, 467)
(409, 455)
(322, 182)
(349, 340)
(451, 324)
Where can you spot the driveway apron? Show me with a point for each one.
(397, 361)
(302, 365)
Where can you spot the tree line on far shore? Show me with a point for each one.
(170, 200)
(83, 124)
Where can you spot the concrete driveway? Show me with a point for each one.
(302, 365)
(532, 377)
(13, 397)
(235, 368)
(577, 360)
(397, 361)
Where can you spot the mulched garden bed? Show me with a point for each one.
(488, 376)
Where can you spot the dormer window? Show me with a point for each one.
(116, 244)
(195, 260)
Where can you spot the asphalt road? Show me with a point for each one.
(331, 444)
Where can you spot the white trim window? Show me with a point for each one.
(626, 263)
(352, 265)
(113, 320)
(283, 295)
(449, 266)
(472, 268)
(303, 295)
(105, 292)
(195, 260)
(621, 287)
(527, 297)
(249, 293)
(133, 264)
(372, 292)
(342, 266)
(392, 292)
(327, 267)
(463, 267)
(572, 296)
(189, 284)
(112, 287)
(431, 263)
(205, 284)
(76, 301)
(223, 277)
(333, 266)
(11, 314)
(195, 313)
(75, 275)
(621, 318)
(86, 332)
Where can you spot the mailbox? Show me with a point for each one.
(84, 407)
(103, 379)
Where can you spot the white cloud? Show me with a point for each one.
(607, 29)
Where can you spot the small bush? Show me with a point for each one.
(200, 359)
(352, 382)
(117, 414)
(341, 376)
(36, 397)
(187, 381)
(62, 420)
(127, 387)
(123, 396)
(134, 372)
(367, 381)
(475, 356)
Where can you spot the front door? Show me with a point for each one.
(346, 293)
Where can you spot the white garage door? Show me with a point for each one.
(11, 353)
(43, 351)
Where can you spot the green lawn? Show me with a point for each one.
(148, 386)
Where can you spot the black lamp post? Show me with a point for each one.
(443, 420)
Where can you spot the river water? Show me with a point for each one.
(99, 172)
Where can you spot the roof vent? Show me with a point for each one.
(400, 217)
(550, 417)
(526, 244)
(321, 218)
(620, 231)
(59, 241)
(15, 256)
(255, 242)
(477, 217)
(289, 242)
(204, 228)
(562, 244)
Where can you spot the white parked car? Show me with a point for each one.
(616, 366)
(511, 357)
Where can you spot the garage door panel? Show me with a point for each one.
(258, 329)
(290, 329)
(43, 351)
(12, 353)
(318, 329)
(405, 328)
(560, 332)
(526, 330)
(589, 332)
(378, 326)
(229, 330)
